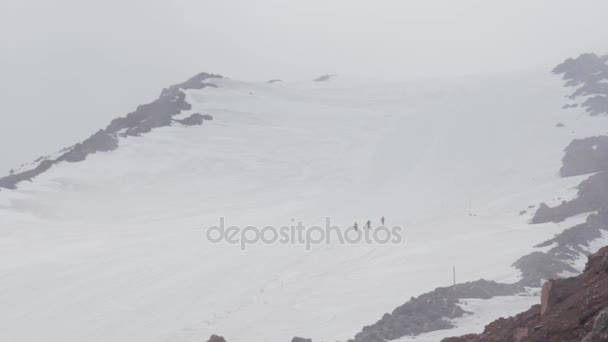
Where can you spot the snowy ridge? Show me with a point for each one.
(115, 244)
(162, 112)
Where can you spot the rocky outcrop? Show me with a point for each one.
(195, 119)
(301, 339)
(537, 266)
(571, 242)
(430, 311)
(216, 338)
(565, 249)
(588, 74)
(584, 156)
(599, 333)
(11, 181)
(592, 196)
(145, 118)
(571, 310)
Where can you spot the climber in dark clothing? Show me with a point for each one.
(356, 226)
(382, 220)
(369, 224)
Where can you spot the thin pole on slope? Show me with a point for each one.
(454, 274)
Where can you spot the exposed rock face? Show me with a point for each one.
(216, 338)
(599, 333)
(587, 73)
(568, 246)
(98, 142)
(429, 311)
(572, 309)
(591, 197)
(555, 292)
(10, 181)
(537, 266)
(145, 118)
(569, 243)
(584, 156)
(195, 119)
(301, 339)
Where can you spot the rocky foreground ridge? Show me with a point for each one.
(571, 310)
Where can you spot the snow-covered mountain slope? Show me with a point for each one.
(113, 248)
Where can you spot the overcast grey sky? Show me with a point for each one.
(69, 66)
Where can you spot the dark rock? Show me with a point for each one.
(572, 310)
(216, 338)
(301, 339)
(537, 266)
(98, 142)
(568, 246)
(592, 196)
(552, 294)
(587, 73)
(521, 334)
(323, 78)
(585, 156)
(195, 82)
(543, 214)
(429, 311)
(192, 120)
(599, 333)
(579, 235)
(11, 181)
(145, 118)
(459, 339)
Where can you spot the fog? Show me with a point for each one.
(68, 66)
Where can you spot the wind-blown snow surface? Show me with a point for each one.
(114, 249)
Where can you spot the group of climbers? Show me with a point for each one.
(368, 224)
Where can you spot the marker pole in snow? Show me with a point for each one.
(454, 274)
